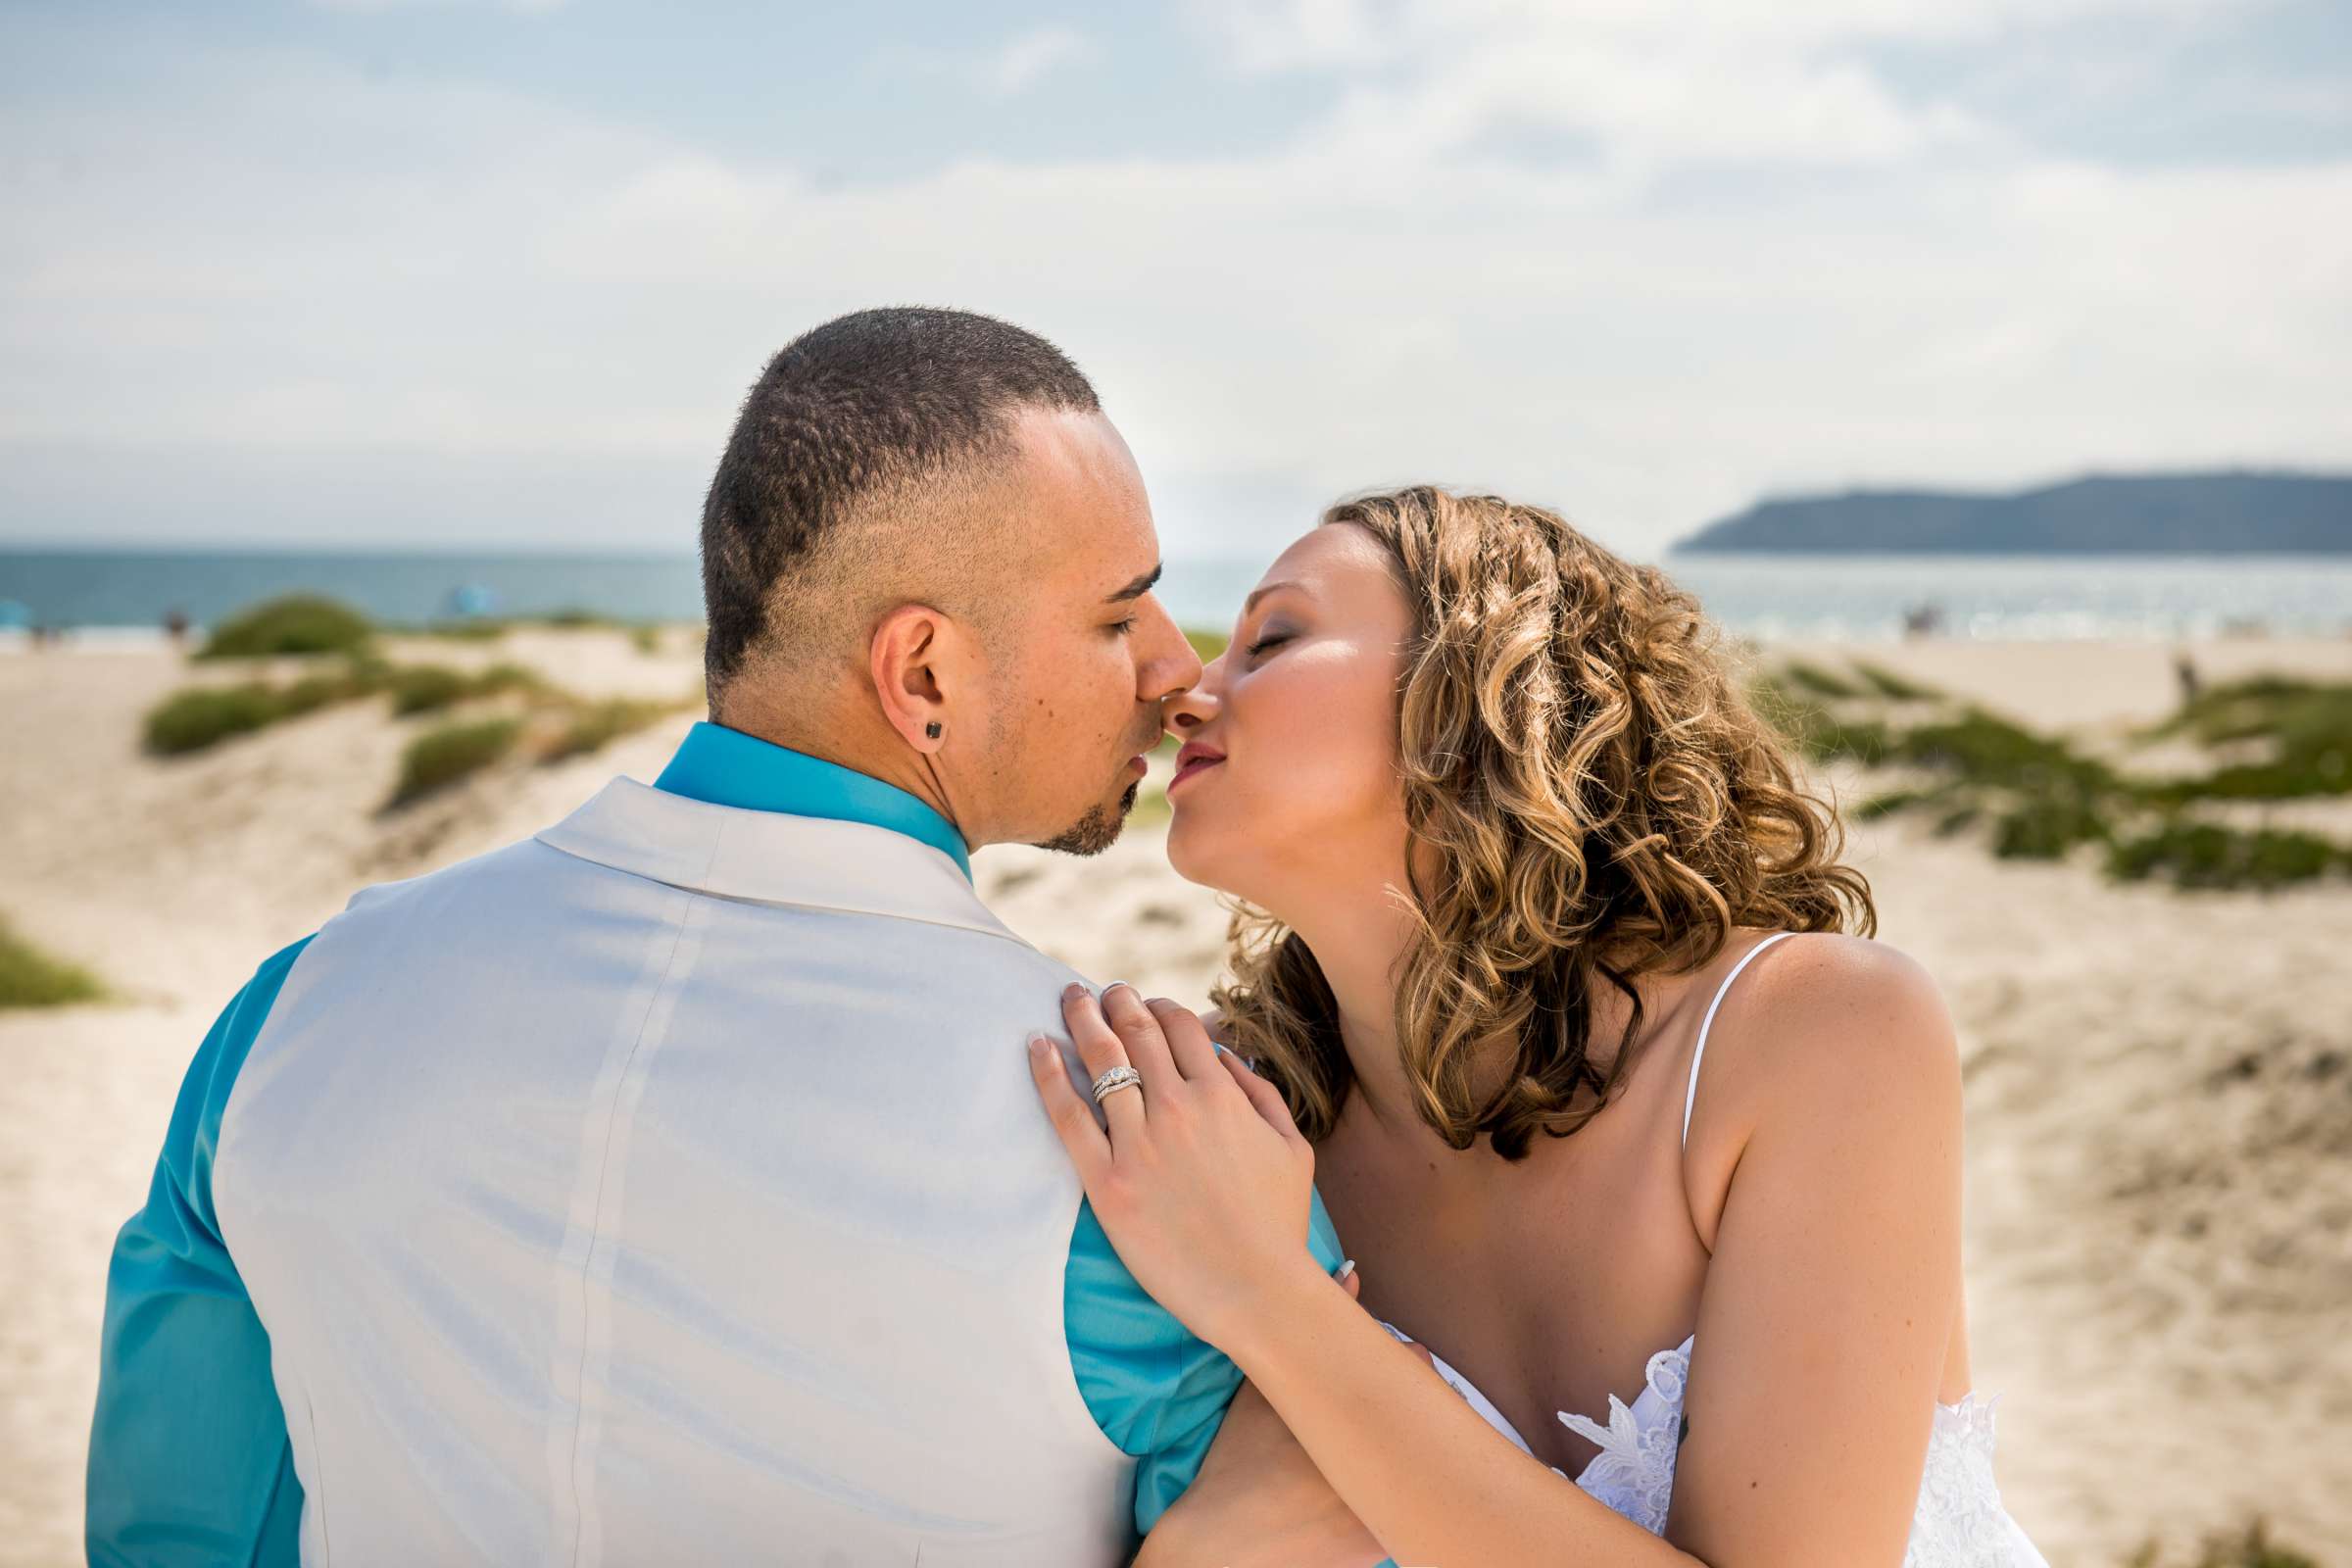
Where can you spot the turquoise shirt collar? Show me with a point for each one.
(728, 767)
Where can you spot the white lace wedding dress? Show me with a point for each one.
(1959, 1523)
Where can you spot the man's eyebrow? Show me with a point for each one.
(1136, 589)
(1250, 603)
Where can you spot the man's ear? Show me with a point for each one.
(911, 648)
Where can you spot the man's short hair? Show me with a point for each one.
(868, 409)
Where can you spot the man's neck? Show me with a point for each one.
(862, 743)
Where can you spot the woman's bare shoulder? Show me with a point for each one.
(1847, 1019)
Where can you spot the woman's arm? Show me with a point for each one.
(1831, 1297)
(1259, 1502)
(1208, 1211)
(1821, 1333)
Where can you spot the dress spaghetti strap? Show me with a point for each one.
(1690, 1097)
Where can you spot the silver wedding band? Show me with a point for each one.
(1116, 1079)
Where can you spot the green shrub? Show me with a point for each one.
(1814, 731)
(31, 979)
(594, 725)
(427, 688)
(319, 691)
(2307, 724)
(2250, 1547)
(1817, 680)
(505, 677)
(1889, 802)
(198, 718)
(1986, 749)
(1207, 644)
(192, 719)
(2209, 856)
(1886, 683)
(439, 758)
(423, 688)
(2045, 828)
(298, 623)
(1958, 819)
(646, 639)
(464, 631)
(2258, 706)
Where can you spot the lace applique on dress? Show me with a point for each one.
(1634, 1472)
(1959, 1522)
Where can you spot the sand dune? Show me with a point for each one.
(2159, 1087)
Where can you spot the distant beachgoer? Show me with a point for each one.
(176, 626)
(1923, 620)
(2185, 669)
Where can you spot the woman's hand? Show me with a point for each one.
(1202, 1182)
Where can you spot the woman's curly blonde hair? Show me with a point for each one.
(1597, 798)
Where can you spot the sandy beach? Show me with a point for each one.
(2159, 1084)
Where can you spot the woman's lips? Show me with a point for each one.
(1198, 764)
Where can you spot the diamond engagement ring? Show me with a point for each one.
(1116, 1079)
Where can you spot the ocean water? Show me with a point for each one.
(105, 596)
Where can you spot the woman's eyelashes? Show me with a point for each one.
(1270, 639)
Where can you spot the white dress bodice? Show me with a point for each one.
(1959, 1523)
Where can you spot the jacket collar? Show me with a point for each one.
(771, 857)
(729, 768)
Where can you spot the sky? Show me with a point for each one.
(345, 273)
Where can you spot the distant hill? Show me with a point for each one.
(2199, 513)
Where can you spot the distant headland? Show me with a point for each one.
(2235, 512)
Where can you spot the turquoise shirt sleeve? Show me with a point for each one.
(190, 1461)
(1155, 1389)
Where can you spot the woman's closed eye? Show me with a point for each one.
(1271, 639)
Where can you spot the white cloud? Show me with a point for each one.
(528, 6)
(1293, 33)
(1032, 57)
(274, 255)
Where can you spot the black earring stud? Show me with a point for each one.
(931, 730)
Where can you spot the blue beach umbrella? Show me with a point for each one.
(472, 599)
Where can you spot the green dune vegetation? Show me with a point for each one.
(31, 979)
(201, 717)
(297, 623)
(442, 755)
(2248, 1548)
(644, 636)
(1207, 644)
(2040, 796)
(343, 664)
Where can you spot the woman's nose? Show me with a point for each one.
(1196, 705)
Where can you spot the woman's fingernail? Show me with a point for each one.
(1345, 1268)
(1037, 1046)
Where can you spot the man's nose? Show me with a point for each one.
(1173, 667)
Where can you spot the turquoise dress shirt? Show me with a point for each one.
(190, 1461)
